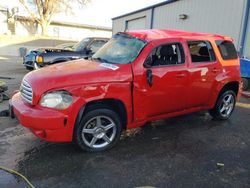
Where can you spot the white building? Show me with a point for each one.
(3, 20)
(226, 17)
(24, 26)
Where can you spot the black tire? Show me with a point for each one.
(245, 84)
(29, 68)
(216, 112)
(5, 96)
(84, 140)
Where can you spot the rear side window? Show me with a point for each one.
(227, 49)
(201, 51)
(168, 54)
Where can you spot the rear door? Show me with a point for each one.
(203, 69)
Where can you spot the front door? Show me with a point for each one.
(168, 73)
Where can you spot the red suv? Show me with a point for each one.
(136, 77)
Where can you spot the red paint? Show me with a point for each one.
(170, 95)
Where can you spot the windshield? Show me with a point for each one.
(81, 45)
(121, 49)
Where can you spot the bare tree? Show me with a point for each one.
(42, 11)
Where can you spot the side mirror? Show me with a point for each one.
(148, 62)
(89, 51)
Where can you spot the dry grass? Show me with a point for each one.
(243, 105)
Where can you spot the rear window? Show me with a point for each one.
(227, 49)
(201, 51)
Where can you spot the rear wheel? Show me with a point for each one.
(245, 84)
(224, 106)
(99, 130)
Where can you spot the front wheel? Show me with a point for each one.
(29, 68)
(99, 130)
(224, 106)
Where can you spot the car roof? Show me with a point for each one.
(98, 38)
(155, 34)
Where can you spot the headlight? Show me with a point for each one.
(39, 59)
(57, 99)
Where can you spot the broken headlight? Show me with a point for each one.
(57, 99)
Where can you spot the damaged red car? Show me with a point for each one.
(136, 77)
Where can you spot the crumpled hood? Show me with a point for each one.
(78, 72)
(51, 49)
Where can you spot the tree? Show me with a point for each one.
(41, 11)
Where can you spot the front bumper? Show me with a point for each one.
(29, 64)
(47, 124)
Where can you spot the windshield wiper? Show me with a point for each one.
(101, 60)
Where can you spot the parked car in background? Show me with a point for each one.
(46, 56)
(67, 46)
(137, 77)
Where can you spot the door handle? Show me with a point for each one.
(182, 75)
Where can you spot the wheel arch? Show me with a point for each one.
(232, 85)
(113, 104)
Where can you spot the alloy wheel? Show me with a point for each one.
(227, 105)
(99, 132)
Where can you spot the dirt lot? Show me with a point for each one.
(178, 152)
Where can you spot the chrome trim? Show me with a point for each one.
(26, 92)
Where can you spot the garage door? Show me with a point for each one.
(136, 24)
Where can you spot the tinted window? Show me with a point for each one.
(167, 54)
(201, 51)
(227, 49)
(96, 45)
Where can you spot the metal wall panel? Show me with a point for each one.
(119, 25)
(212, 16)
(139, 23)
